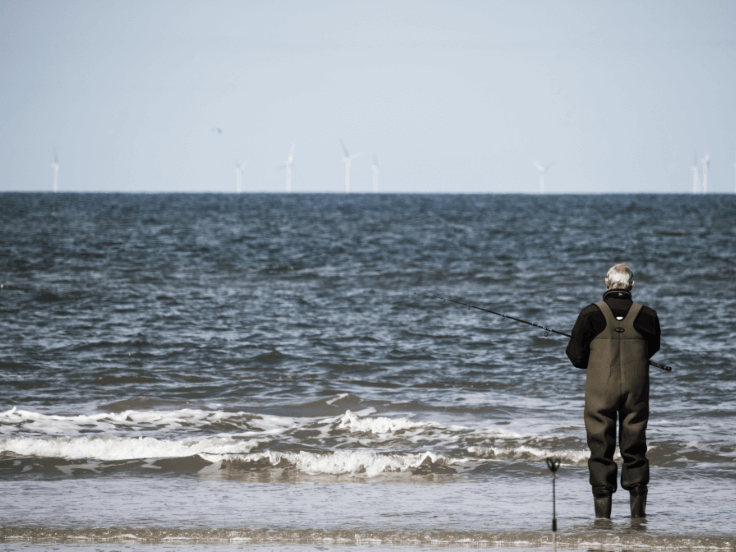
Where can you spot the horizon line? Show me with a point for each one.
(69, 192)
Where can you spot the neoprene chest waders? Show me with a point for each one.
(617, 384)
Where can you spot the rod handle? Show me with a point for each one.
(662, 366)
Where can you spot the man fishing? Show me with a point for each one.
(614, 339)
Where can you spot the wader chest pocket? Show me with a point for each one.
(619, 330)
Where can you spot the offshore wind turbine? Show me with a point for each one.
(289, 163)
(55, 166)
(694, 169)
(377, 171)
(542, 171)
(705, 161)
(239, 174)
(348, 159)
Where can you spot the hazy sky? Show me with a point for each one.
(452, 96)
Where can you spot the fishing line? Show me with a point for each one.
(547, 330)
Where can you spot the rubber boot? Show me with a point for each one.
(603, 506)
(638, 498)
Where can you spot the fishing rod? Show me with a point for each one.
(547, 330)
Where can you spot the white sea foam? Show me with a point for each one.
(365, 463)
(502, 433)
(356, 423)
(178, 433)
(523, 452)
(121, 448)
(339, 397)
(14, 420)
(245, 424)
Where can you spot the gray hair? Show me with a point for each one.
(619, 277)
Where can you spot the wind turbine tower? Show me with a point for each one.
(694, 168)
(289, 163)
(705, 161)
(55, 166)
(239, 174)
(348, 159)
(377, 172)
(542, 171)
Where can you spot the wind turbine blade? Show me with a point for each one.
(344, 149)
(375, 160)
(548, 166)
(539, 166)
(355, 156)
(56, 157)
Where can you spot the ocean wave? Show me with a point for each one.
(191, 421)
(533, 454)
(21, 455)
(146, 434)
(15, 420)
(362, 463)
(107, 447)
(378, 425)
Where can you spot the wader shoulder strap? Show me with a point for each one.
(607, 313)
(628, 322)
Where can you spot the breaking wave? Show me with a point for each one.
(360, 463)
(351, 444)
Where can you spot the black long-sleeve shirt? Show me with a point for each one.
(591, 322)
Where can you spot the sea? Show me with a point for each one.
(275, 372)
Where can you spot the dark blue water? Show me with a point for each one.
(172, 346)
